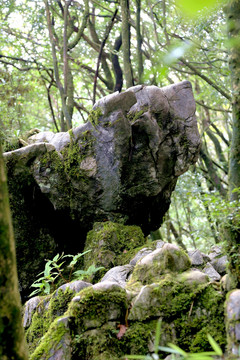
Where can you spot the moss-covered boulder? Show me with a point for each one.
(194, 310)
(118, 316)
(112, 244)
(89, 328)
(40, 312)
(169, 258)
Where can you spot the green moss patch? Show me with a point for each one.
(168, 259)
(112, 244)
(56, 338)
(96, 307)
(47, 311)
(193, 312)
(101, 344)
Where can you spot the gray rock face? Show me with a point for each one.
(29, 309)
(215, 252)
(162, 286)
(211, 272)
(141, 253)
(194, 277)
(233, 322)
(196, 257)
(118, 274)
(168, 258)
(220, 264)
(122, 164)
(76, 286)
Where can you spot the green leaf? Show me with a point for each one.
(177, 348)
(198, 357)
(205, 353)
(157, 336)
(76, 257)
(55, 259)
(79, 272)
(168, 349)
(214, 345)
(47, 289)
(37, 285)
(48, 268)
(34, 292)
(58, 266)
(192, 8)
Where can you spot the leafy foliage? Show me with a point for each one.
(54, 268)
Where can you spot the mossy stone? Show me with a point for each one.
(46, 312)
(94, 306)
(112, 244)
(169, 258)
(56, 342)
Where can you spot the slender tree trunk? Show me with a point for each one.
(106, 35)
(56, 68)
(167, 220)
(116, 66)
(233, 15)
(139, 41)
(176, 235)
(212, 173)
(187, 212)
(231, 231)
(12, 341)
(107, 72)
(127, 68)
(177, 216)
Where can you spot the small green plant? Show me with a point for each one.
(207, 355)
(54, 269)
(177, 352)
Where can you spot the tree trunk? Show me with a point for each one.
(127, 68)
(139, 41)
(231, 230)
(56, 67)
(116, 66)
(212, 172)
(233, 15)
(12, 341)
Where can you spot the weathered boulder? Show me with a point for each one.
(233, 323)
(112, 243)
(114, 317)
(122, 165)
(196, 257)
(211, 272)
(169, 258)
(118, 274)
(220, 264)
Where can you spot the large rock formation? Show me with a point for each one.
(118, 315)
(121, 166)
